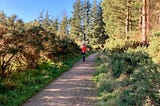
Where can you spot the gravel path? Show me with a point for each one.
(74, 88)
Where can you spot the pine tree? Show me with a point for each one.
(55, 25)
(112, 15)
(75, 25)
(120, 16)
(63, 28)
(153, 14)
(85, 16)
(98, 32)
(144, 22)
(93, 22)
(100, 29)
(46, 20)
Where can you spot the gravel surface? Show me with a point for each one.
(74, 88)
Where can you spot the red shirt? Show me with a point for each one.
(83, 49)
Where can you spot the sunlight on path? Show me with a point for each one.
(73, 88)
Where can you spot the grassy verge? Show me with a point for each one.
(17, 88)
(129, 74)
(128, 78)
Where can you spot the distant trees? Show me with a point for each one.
(98, 34)
(87, 23)
(124, 16)
(120, 16)
(23, 45)
(63, 27)
(149, 10)
(85, 19)
(75, 24)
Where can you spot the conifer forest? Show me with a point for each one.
(125, 33)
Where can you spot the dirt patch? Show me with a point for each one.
(74, 88)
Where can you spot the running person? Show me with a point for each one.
(83, 50)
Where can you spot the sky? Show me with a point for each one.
(28, 10)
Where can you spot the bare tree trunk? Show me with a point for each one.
(127, 18)
(148, 16)
(158, 21)
(144, 22)
(130, 22)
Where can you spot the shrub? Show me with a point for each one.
(154, 48)
(141, 83)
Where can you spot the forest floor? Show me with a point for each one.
(74, 88)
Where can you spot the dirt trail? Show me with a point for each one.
(74, 88)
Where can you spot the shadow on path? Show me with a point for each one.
(74, 88)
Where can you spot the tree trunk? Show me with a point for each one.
(84, 37)
(4, 65)
(127, 18)
(148, 16)
(144, 22)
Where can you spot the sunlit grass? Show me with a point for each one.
(22, 85)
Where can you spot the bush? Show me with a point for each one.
(154, 48)
(141, 83)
